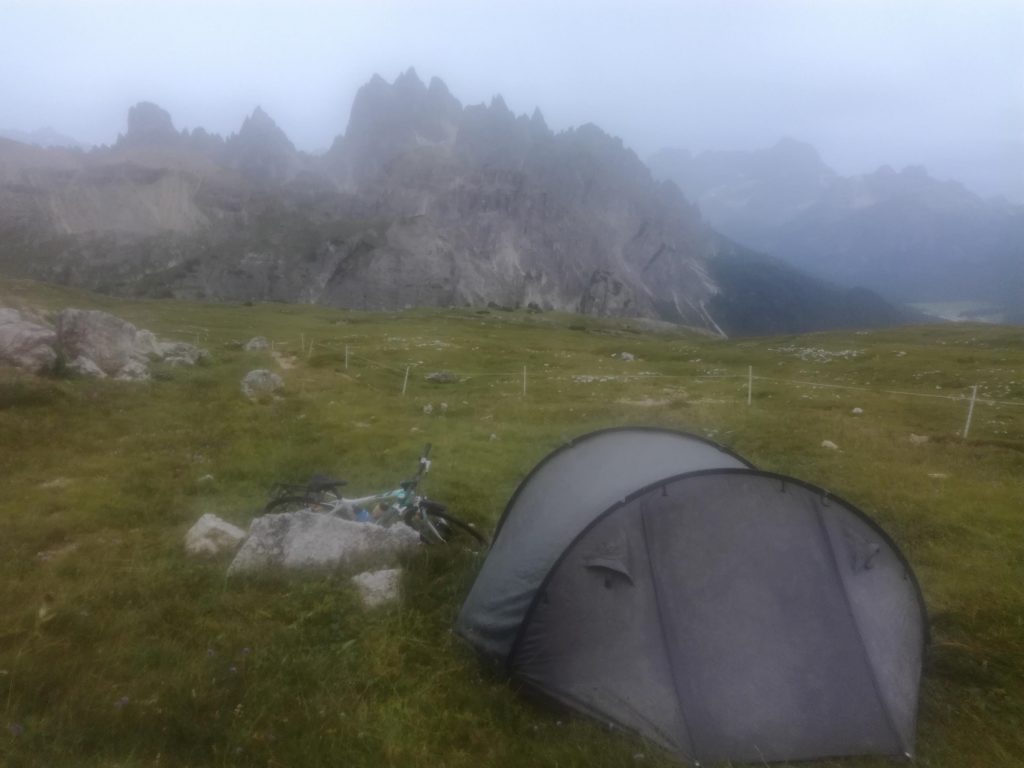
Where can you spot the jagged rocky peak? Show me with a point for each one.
(149, 125)
(259, 129)
(261, 150)
(388, 119)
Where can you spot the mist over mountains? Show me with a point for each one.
(902, 233)
(422, 201)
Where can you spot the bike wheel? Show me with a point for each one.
(444, 528)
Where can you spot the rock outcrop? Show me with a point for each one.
(91, 343)
(312, 540)
(26, 344)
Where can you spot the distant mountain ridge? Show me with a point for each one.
(904, 234)
(422, 201)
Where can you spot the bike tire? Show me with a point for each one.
(457, 528)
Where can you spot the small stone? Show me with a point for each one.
(428, 409)
(256, 344)
(378, 587)
(627, 356)
(918, 439)
(444, 407)
(442, 377)
(210, 536)
(829, 445)
(493, 437)
(857, 411)
(938, 475)
(259, 382)
(206, 479)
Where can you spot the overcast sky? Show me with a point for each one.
(868, 82)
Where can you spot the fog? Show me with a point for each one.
(868, 83)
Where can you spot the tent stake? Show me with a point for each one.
(970, 410)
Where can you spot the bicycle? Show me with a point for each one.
(431, 519)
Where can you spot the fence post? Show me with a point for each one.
(970, 410)
(750, 383)
(346, 357)
(302, 342)
(524, 381)
(405, 382)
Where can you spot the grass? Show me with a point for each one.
(148, 658)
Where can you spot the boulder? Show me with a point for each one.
(211, 536)
(308, 539)
(133, 370)
(260, 382)
(83, 366)
(256, 343)
(378, 587)
(107, 341)
(180, 353)
(25, 344)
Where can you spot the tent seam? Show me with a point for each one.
(664, 639)
(856, 626)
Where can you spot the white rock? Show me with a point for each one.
(106, 340)
(260, 382)
(428, 409)
(83, 366)
(938, 475)
(627, 356)
(146, 345)
(312, 540)
(210, 536)
(444, 407)
(256, 343)
(857, 411)
(493, 437)
(830, 445)
(25, 344)
(378, 587)
(179, 352)
(133, 371)
(918, 439)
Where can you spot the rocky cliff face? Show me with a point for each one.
(421, 202)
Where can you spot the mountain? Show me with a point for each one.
(904, 234)
(422, 201)
(42, 137)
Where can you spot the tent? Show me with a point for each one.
(725, 614)
(556, 501)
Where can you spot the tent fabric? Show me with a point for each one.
(733, 615)
(556, 501)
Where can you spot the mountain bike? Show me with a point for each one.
(431, 519)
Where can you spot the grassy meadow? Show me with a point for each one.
(118, 650)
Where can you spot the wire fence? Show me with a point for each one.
(403, 378)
